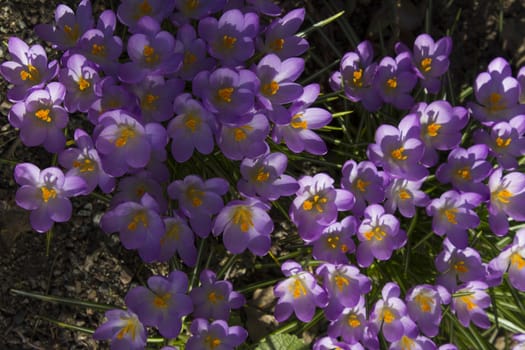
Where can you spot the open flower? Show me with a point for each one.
(512, 259)
(405, 195)
(124, 329)
(79, 77)
(395, 79)
(195, 58)
(507, 195)
(335, 242)
(245, 140)
(280, 36)
(215, 335)
(365, 182)
(424, 307)
(350, 324)
(130, 12)
(178, 238)
(469, 303)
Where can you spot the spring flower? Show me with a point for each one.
(399, 150)
(298, 135)
(430, 59)
(195, 58)
(329, 343)
(111, 96)
(356, 75)
(29, 69)
(214, 299)
(413, 342)
(299, 293)
(46, 194)
(405, 195)
(84, 161)
(264, 176)
(190, 9)
(388, 312)
(507, 195)
(277, 85)
(469, 303)
(441, 126)
(226, 92)
(156, 97)
(466, 169)
(79, 77)
(497, 94)
(41, 118)
(365, 182)
(344, 285)
(424, 307)
(519, 340)
(453, 215)
(163, 303)
(178, 238)
(68, 27)
(216, 335)
(336, 242)
(512, 260)
(463, 265)
(350, 324)
(134, 187)
(317, 204)
(505, 141)
(245, 224)
(245, 140)
(124, 329)
(130, 12)
(379, 235)
(280, 36)
(395, 79)
(230, 38)
(199, 200)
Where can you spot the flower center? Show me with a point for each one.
(240, 132)
(426, 64)
(460, 267)
(228, 41)
(214, 298)
(137, 219)
(469, 303)
(495, 103)
(399, 154)
(341, 282)
(262, 175)
(242, 217)
(211, 342)
(333, 241)
(126, 133)
(72, 33)
(189, 58)
(85, 165)
(404, 195)
(500, 142)
(270, 89)
(353, 321)
(388, 316)
(297, 288)
(517, 260)
(83, 84)
(195, 196)
(464, 173)
(297, 122)
(43, 114)
(145, 8)
(316, 202)
(425, 302)
(406, 343)
(31, 73)
(225, 94)
(277, 44)
(377, 233)
(98, 50)
(161, 301)
(392, 82)
(432, 129)
(504, 196)
(357, 76)
(450, 214)
(130, 327)
(362, 185)
(150, 56)
(148, 102)
(47, 193)
(192, 4)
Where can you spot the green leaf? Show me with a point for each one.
(281, 342)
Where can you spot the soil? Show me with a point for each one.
(81, 262)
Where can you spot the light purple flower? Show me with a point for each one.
(46, 194)
(79, 77)
(404, 195)
(245, 140)
(188, 9)
(335, 242)
(178, 238)
(469, 303)
(512, 260)
(507, 195)
(329, 343)
(245, 224)
(156, 97)
(299, 293)
(413, 342)
(519, 340)
(163, 303)
(424, 306)
(350, 324)
(134, 187)
(195, 58)
(395, 79)
(124, 329)
(110, 96)
(216, 335)
(130, 12)
(365, 182)
(379, 235)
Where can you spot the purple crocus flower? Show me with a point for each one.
(124, 329)
(277, 85)
(356, 75)
(111, 96)
(453, 215)
(469, 303)
(299, 293)
(345, 285)
(46, 194)
(298, 135)
(463, 265)
(188, 9)
(506, 141)
(29, 69)
(329, 343)
(226, 92)
(156, 97)
(365, 182)
(130, 12)
(507, 195)
(424, 307)
(280, 36)
(512, 259)
(163, 303)
(388, 312)
(245, 224)
(405, 195)
(399, 150)
(216, 335)
(178, 238)
(41, 119)
(134, 187)
(151, 53)
(441, 126)
(519, 341)
(336, 242)
(79, 77)
(214, 299)
(195, 58)
(68, 27)
(350, 324)
(199, 200)
(430, 59)
(84, 161)
(412, 342)
(265, 177)
(191, 129)
(246, 140)
(379, 234)
(395, 79)
(497, 94)
(317, 204)
(230, 38)
(466, 169)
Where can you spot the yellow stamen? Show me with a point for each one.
(504, 196)
(172, 233)
(270, 89)
(341, 282)
(43, 114)
(242, 217)
(161, 301)
(48, 193)
(150, 56)
(189, 58)
(98, 50)
(362, 185)
(432, 129)
(140, 217)
(85, 165)
(495, 102)
(192, 4)
(377, 233)
(316, 202)
(404, 195)
(388, 316)
(344, 248)
(517, 260)
(195, 196)
(406, 343)
(212, 342)
(392, 83)
(145, 8)
(426, 64)
(213, 297)
(126, 133)
(333, 241)
(357, 76)
(228, 41)
(130, 327)
(192, 122)
(425, 302)
(460, 267)
(31, 73)
(262, 175)
(72, 33)
(225, 94)
(277, 44)
(451, 216)
(398, 154)
(83, 84)
(464, 173)
(297, 288)
(148, 101)
(297, 122)
(503, 142)
(467, 300)
(353, 321)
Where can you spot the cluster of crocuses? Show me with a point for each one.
(227, 79)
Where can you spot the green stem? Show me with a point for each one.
(62, 300)
(196, 268)
(8, 162)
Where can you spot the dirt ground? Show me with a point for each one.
(84, 263)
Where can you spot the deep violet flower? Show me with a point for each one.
(178, 238)
(350, 324)
(245, 140)
(156, 97)
(216, 335)
(41, 118)
(132, 188)
(298, 293)
(163, 303)
(395, 79)
(130, 12)
(29, 69)
(46, 194)
(424, 307)
(365, 182)
(335, 242)
(405, 195)
(193, 50)
(124, 329)
(469, 303)
(512, 260)
(245, 224)
(110, 96)
(418, 342)
(329, 343)
(79, 77)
